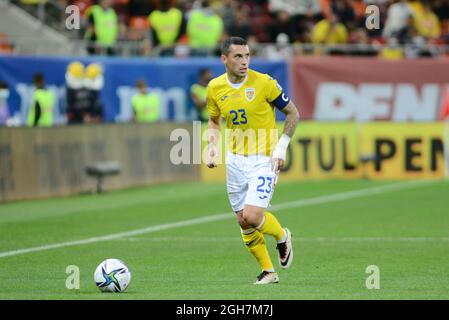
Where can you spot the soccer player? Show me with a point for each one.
(246, 100)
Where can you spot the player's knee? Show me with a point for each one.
(252, 216)
(242, 222)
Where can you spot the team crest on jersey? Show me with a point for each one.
(250, 93)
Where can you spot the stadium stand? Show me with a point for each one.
(424, 23)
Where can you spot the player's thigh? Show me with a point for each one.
(260, 185)
(236, 185)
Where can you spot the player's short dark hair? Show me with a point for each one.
(230, 41)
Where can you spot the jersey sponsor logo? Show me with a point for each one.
(250, 93)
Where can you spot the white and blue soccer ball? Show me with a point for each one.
(112, 275)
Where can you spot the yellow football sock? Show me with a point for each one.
(270, 225)
(255, 243)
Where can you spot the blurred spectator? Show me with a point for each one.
(360, 11)
(282, 25)
(363, 43)
(360, 36)
(303, 14)
(102, 28)
(441, 8)
(40, 113)
(77, 95)
(204, 30)
(94, 81)
(140, 8)
(146, 105)
(416, 44)
(198, 93)
(330, 31)
(282, 50)
(296, 7)
(426, 21)
(138, 36)
(397, 20)
(241, 26)
(344, 10)
(82, 5)
(4, 108)
(227, 11)
(167, 26)
(392, 51)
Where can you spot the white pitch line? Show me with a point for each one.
(294, 239)
(217, 217)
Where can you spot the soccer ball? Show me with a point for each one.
(112, 275)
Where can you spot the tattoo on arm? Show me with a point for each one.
(291, 120)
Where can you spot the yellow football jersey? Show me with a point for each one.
(248, 109)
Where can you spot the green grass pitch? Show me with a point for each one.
(404, 231)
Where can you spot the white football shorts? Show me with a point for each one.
(250, 180)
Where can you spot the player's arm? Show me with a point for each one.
(213, 132)
(291, 119)
(279, 99)
(213, 128)
(290, 123)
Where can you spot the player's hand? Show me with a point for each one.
(211, 154)
(279, 154)
(277, 164)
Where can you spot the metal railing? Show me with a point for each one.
(123, 48)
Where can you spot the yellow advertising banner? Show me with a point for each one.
(404, 151)
(361, 150)
(323, 150)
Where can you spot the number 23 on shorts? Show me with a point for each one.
(265, 186)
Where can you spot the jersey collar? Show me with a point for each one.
(236, 85)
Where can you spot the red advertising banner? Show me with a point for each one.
(367, 89)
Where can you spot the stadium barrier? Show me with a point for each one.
(170, 78)
(44, 162)
(324, 89)
(349, 150)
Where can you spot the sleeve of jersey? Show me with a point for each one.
(212, 107)
(276, 95)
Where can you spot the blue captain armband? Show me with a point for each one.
(281, 101)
